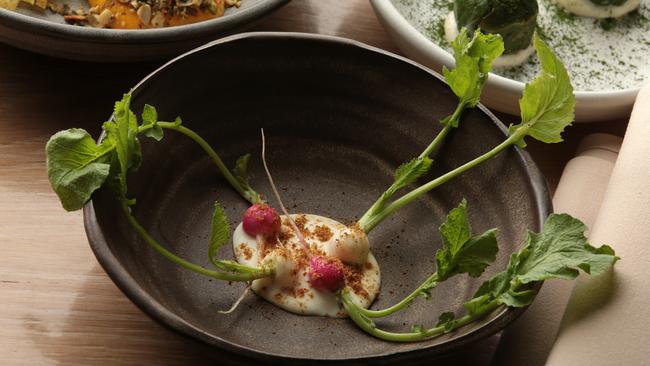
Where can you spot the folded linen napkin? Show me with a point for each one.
(607, 319)
(579, 193)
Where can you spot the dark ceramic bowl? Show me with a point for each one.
(339, 117)
(47, 33)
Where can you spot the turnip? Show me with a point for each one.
(351, 246)
(283, 266)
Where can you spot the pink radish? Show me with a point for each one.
(326, 274)
(261, 219)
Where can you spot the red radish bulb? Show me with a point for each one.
(326, 274)
(261, 219)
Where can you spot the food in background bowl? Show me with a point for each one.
(601, 9)
(514, 20)
(133, 14)
(606, 58)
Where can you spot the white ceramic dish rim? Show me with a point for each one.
(499, 81)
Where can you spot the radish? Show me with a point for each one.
(261, 219)
(326, 274)
(351, 247)
(283, 266)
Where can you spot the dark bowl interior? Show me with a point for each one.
(48, 33)
(339, 117)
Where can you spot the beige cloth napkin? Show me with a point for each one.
(607, 321)
(580, 192)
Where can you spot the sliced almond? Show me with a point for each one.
(104, 18)
(144, 13)
(158, 20)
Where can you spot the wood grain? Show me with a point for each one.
(57, 307)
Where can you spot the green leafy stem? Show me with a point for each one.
(372, 219)
(419, 334)
(238, 273)
(558, 252)
(244, 190)
(474, 57)
(77, 166)
(547, 107)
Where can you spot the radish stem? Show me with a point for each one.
(277, 195)
(247, 193)
(368, 222)
(369, 326)
(450, 121)
(239, 300)
(429, 283)
(249, 275)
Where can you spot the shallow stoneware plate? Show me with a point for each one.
(339, 116)
(607, 60)
(47, 33)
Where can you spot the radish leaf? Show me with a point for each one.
(559, 251)
(150, 123)
(408, 173)
(548, 104)
(462, 253)
(446, 320)
(240, 171)
(220, 230)
(122, 132)
(219, 235)
(76, 166)
(473, 59)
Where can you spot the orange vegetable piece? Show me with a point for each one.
(126, 16)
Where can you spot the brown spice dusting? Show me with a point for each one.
(268, 244)
(353, 278)
(301, 221)
(301, 257)
(246, 251)
(368, 266)
(315, 250)
(323, 233)
(287, 291)
(285, 234)
(293, 292)
(357, 229)
(278, 297)
(300, 292)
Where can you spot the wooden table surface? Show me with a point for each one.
(57, 306)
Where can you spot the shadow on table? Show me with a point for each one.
(103, 327)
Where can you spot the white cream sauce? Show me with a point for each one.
(289, 288)
(511, 60)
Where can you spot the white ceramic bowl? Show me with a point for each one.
(500, 93)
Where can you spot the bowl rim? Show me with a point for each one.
(390, 11)
(120, 276)
(71, 32)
